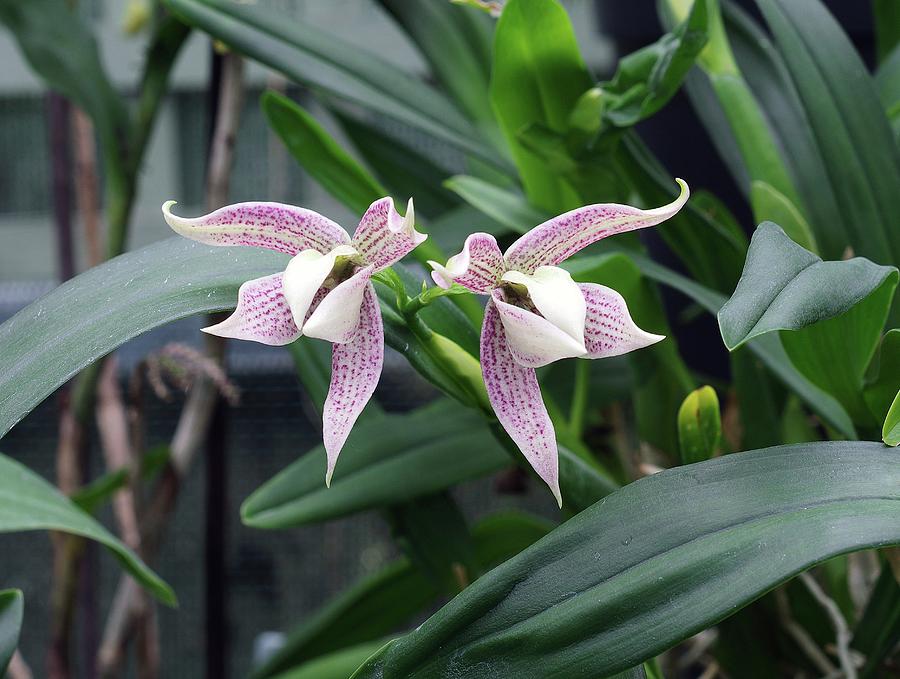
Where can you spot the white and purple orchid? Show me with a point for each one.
(537, 314)
(325, 291)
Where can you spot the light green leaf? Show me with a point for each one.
(27, 502)
(11, 610)
(890, 432)
(328, 163)
(784, 287)
(699, 425)
(333, 67)
(336, 665)
(538, 75)
(770, 205)
(510, 209)
(692, 544)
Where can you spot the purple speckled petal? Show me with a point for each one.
(279, 227)
(355, 369)
(561, 237)
(533, 340)
(516, 398)
(383, 236)
(337, 316)
(262, 314)
(608, 328)
(478, 267)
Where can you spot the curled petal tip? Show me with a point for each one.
(557, 494)
(328, 475)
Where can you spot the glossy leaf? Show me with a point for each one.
(699, 425)
(381, 602)
(784, 287)
(773, 206)
(11, 611)
(691, 544)
(335, 665)
(334, 67)
(28, 502)
(538, 75)
(849, 125)
(510, 209)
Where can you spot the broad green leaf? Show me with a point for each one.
(760, 400)
(878, 630)
(692, 544)
(646, 80)
(382, 602)
(390, 460)
(835, 353)
(773, 206)
(784, 287)
(840, 100)
(538, 75)
(328, 163)
(336, 665)
(27, 502)
(11, 611)
(890, 431)
(333, 67)
(699, 425)
(457, 45)
(84, 319)
(887, 80)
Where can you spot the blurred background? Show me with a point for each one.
(233, 581)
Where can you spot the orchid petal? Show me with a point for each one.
(355, 369)
(561, 237)
(337, 316)
(533, 340)
(515, 395)
(609, 329)
(305, 274)
(262, 314)
(478, 267)
(279, 227)
(383, 237)
(556, 296)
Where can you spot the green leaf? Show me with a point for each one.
(699, 425)
(890, 432)
(887, 26)
(887, 79)
(849, 125)
(776, 207)
(52, 339)
(334, 68)
(337, 665)
(382, 602)
(883, 375)
(538, 75)
(11, 610)
(328, 163)
(784, 287)
(27, 502)
(647, 79)
(390, 460)
(691, 544)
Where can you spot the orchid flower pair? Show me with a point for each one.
(536, 313)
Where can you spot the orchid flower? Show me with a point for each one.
(537, 314)
(325, 291)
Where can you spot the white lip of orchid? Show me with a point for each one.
(557, 297)
(305, 274)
